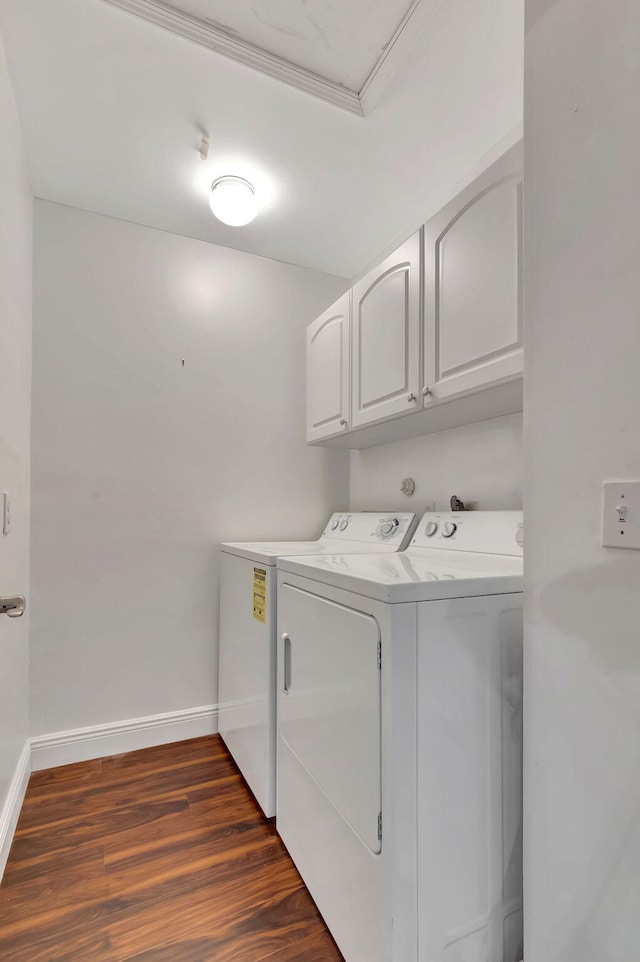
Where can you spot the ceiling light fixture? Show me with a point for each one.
(233, 201)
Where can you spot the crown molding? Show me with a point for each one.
(205, 34)
(396, 53)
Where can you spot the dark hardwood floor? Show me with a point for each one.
(160, 855)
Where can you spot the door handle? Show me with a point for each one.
(14, 607)
(286, 684)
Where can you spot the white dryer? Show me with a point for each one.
(400, 741)
(247, 658)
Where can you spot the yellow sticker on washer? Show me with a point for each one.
(260, 594)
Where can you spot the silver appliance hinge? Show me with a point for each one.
(379, 656)
(379, 826)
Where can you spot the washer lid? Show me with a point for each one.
(412, 575)
(268, 552)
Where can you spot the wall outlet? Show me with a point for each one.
(430, 506)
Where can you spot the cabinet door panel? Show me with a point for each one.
(473, 316)
(385, 357)
(328, 372)
(384, 338)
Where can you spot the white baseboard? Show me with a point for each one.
(13, 803)
(82, 744)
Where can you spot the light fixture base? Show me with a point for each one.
(232, 179)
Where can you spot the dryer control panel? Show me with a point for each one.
(487, 532)
(370, 527)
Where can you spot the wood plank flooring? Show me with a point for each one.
(160, 855)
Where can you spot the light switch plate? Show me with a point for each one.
(621, 514)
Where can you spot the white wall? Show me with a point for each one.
(142, 466)
(582, 254)
(457, 99)
(478, 462)
(16, 216)
(468, 96)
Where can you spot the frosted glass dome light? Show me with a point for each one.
(233, 201)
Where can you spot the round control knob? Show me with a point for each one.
(344, 523)
(334, 524)
(430, 530)
(449, 529)
(387, 528)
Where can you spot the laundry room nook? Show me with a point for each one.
(319, 481)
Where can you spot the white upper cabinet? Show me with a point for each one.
(435, 331)
(328, 342)
(473, 285)
(385, 359)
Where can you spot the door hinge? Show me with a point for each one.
(379, 656)
(379, 826)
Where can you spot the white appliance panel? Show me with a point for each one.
(341, 873)
(330, 703)
(247, 685)
(447, 883)
(246, 676)
(482, 532)
(470, 780)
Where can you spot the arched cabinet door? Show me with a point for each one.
(385, 358)
(328, 339)
(473, 285)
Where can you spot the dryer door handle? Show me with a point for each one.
(287, 663)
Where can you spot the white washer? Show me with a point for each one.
(400, 743)
(247, 659)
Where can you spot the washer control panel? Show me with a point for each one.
(489, 532)
(387, 529)
(371, 527)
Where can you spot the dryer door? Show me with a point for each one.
(329, 703)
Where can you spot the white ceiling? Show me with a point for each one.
(112, 111)
(346, 55)
(341, 40)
